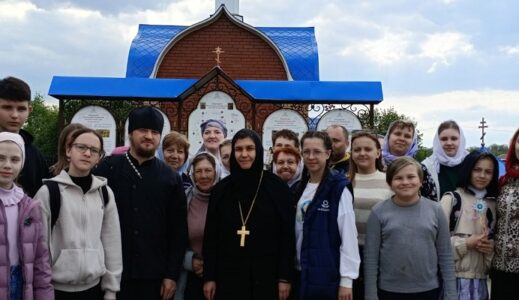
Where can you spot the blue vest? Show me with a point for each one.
(320, 250)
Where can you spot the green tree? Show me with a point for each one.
(382, 118)
(43, 125)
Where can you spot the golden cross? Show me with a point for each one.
(243, 232)
(218, 51)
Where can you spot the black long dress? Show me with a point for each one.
(252, 271)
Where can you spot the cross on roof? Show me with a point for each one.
(218, 51)
(483, 133)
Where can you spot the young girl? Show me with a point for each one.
(326, 237)
(85, 240)
(445, 162)
(24, 256)
(407, 240)
(470, 210)
(505, 265)
(369, 187)
(63, 141)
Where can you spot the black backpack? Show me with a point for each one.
(55, 200)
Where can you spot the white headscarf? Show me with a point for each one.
(441, 158)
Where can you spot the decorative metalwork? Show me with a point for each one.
(118, 109)
(314, 112)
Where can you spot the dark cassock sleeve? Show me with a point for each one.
(177, 222)
(287, 247)
(210, 246)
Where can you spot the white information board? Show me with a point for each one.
(218, 106)
(340, 117)
(281, 119)
(99, 119)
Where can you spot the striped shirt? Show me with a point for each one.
(369, 190)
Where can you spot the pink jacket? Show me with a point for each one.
(33, 251)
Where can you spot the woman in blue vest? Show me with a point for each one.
(326, 236)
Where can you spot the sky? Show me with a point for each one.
(436, 59)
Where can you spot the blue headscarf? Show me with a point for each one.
(388, 156)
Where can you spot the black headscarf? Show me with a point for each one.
(246, 182)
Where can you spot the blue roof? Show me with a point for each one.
(297, 45)
(171, 89)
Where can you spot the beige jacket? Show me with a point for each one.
(468, 263)
(85, 244)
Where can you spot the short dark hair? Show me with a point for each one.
(468, 165)
(345, 131)
(287, 134)
(14, 89)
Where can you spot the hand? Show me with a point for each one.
(345, 293)
(284, 290)
(168, 288)
(485, 246)
(198, 266)
(473, 240)
(209, 290)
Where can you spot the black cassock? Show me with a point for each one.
(252, 271)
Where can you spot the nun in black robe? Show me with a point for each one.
(254, 270)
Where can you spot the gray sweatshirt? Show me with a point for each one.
(404, 248)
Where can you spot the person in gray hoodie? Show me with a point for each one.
(85, 241)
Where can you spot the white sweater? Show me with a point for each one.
(85, 244)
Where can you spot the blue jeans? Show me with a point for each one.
(16, 283)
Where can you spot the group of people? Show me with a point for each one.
(317, 222)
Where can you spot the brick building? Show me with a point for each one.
(220, 68)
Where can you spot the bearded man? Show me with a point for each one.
(152, 211)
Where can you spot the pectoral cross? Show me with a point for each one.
(243, 232)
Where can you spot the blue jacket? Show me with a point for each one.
(320, 250)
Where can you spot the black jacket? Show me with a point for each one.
(35, 167)
(252, 271)
(152, 213)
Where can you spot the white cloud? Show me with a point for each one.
(442, 48)
(510, 50)
(15, 10)
(467, 107)
(389, 49)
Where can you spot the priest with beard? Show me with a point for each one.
(152, 211)
(249, 244)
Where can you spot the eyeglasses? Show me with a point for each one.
(308, 153)
(82, 148)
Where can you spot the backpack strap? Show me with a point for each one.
(104, 192)
(54, 201)
(456, 208)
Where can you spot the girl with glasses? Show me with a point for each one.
(83, 233)
(326, 237)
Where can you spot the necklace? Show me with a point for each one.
(243, 231)
(132, 165)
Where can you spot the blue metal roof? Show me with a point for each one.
(297, 45)
(170, 89)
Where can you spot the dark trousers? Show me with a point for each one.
(194, 287)
(134, 289)
(505, 286)
(358, 284)
(428, 295)
(94, 293)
